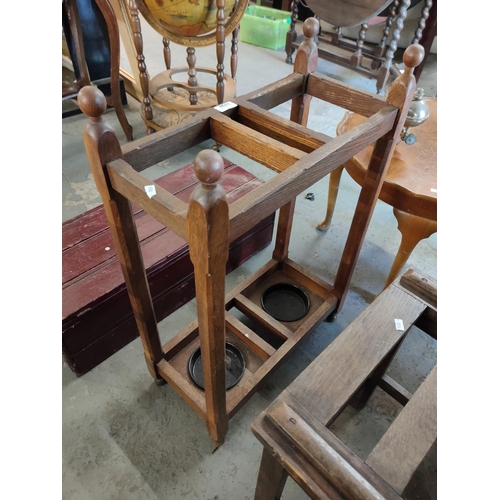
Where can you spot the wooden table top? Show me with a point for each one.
(410, 184)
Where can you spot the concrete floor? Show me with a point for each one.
(126, 438)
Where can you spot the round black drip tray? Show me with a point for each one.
(235, 366)
(285, 302)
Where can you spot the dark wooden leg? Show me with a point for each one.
(208, 229)
(428, 34)
(364, 393)
(272, 478)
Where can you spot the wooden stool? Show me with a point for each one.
(209, 223)
(409, 185)
(294, 430)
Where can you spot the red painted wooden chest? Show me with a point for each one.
(97, 315)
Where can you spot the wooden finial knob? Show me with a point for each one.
(413, 55)
(91, 101)
(208, 166)
(310, 27)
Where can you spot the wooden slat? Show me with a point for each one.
(305, 172)
(256, 313)
(327, 455)
(252, 282)
(186, 389)
(250, 338)
(309, 280)
(403, 447)
(163, 206)
(148, 151)
(396, 391)
(256, 146)
(276, 93)
(238, 398)
(343, 95)
(279, 128)
(420, 286)
(175, 345)
(345, 364)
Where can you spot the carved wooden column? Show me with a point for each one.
(208, 230)
(141, 62)
(221, 47)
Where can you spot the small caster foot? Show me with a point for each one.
(159, 382)
(216, 147)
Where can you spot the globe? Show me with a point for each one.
(189, 18)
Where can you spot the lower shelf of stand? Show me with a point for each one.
(261, 358)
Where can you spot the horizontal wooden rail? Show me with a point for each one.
(163, 206)
(338, 93)
(150, 150)
(254, 145)
(276, 93)
(277, 191)
(279, 128)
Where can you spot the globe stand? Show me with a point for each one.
(166, 101)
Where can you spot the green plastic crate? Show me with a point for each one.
(265, 27)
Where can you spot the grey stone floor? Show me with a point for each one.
(125, 438)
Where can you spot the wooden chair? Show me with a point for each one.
(294, 429)
(74, 28)
(370, 60)
(301, 157)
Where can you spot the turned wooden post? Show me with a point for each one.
(102, 146)
(220, 36)
(234, 51)
(141, 62)
(208, 234)
(400, 95)
(393, 46)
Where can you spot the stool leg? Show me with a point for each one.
(333, 189)
(413, 229)
(272, 478)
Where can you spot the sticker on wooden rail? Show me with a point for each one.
(225, 106)
(150, 190)
(399, 324)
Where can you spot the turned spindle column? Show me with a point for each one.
(208, 236)
(141, 62)
(192, 80)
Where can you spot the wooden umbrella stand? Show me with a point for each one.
(209, 223)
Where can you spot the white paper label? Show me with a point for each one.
(434, 190)
(150, 190)
(225, 105)
(399, 324)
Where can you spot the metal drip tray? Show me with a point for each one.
(235, 366)
(285, 302)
